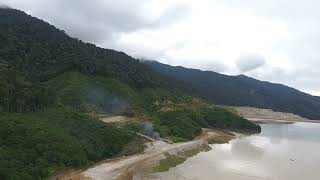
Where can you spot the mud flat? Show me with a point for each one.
(269, 116)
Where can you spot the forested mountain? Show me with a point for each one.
(243, 91)
(32, 51)
(52, 87)
(41, 51)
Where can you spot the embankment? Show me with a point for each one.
(139, 166)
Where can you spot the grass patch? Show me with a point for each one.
(220, 139)
(176, 139)
(174, 160)
(169, 162)
(195, 151)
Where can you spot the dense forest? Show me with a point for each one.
(185, 124)
(19, 94)
(36, 145)
(243, 91)
(51, 84)
(42, 51)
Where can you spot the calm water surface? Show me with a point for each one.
(280, 152)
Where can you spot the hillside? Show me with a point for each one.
(243, 91)
(42, 51)
(52, 85)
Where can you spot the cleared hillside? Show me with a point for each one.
(256, 114)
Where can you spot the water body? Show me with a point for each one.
(279, 152)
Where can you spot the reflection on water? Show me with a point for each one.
(280, 152)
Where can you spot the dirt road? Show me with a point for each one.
(135, 166)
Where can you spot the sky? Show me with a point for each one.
(271, 40)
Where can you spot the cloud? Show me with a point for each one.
(215, 66)
(206, 34)
(3, 6)
(250, 62)
(102, 20)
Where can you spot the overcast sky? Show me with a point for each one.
(273, 40)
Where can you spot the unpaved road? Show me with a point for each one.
(134, 167)
(114, 170)
(115, 119)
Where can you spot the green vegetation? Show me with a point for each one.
(186, 124)
(36, 145)
(174, 160)
(19, 94)
(221, 139)
(243, 91)
(50, 82)
(42, 52)
(88, 93)
(135, 146)
(177, 124)
(169, 162)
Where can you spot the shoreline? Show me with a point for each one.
(268, 115)
(278, 121)
(142, 165)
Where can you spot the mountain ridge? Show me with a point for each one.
(242, 90)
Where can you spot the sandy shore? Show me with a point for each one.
(135, 167)
(278, 121)
(269, 116)
(139, 166)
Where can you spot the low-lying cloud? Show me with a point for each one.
(250, 62)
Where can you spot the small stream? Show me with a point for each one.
(279, 152)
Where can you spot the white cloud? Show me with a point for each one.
(250, 62)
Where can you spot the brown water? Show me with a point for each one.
(280, 152)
